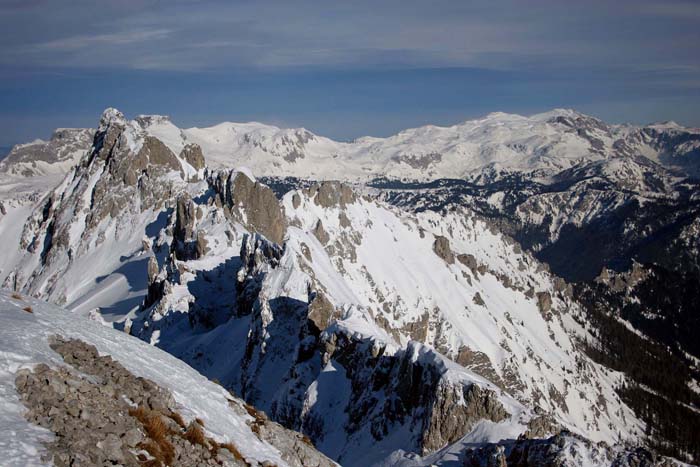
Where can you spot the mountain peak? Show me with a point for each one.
(147, 120)
(111, 116)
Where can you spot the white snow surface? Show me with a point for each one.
(24, 343)
(498, 141)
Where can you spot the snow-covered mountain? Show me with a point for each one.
(542, 144)
(55, 156)
(393, 324)
(27, 173)
(547, 142)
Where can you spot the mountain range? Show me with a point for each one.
(510, 289)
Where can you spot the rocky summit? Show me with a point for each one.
(507, 291)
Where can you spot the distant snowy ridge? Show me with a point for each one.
(548, 142)
(56, 156)
(543, 143)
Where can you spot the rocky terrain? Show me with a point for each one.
(101, 413)
(392, 322)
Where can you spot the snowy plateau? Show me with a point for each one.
(452, 296)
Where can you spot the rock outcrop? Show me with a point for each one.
(331, 193)
(455, 410)
(441, 247)
(563, 449)
(251, 203)
(104, 415)
(192, 153)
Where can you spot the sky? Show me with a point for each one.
(344, 69)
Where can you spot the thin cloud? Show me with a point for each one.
(115, 39)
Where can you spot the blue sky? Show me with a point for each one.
(344, 69)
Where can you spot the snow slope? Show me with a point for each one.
(23, 344)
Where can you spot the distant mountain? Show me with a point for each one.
(56, 156)
(481, 149)
(544, 143)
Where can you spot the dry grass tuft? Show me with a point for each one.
(159, 457)
(305, 439)
(16, 296)
(28, 309)
(158, 445)
(252, 411)
(259, 418)
(233, 450)
(177, 418)
(156, 428)
(195, 435)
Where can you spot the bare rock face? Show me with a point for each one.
(321, 310)
(184, 234)
(251, 203)
(456, 409)
(153, 158)
(156, 287)
(541, 426)
(332, 193)
(296, 449)
(152, 269)
(192, 153)
(471, 262)
(201, 245)
(544, 301)
(158, 153)
(441, 247)
(561, 450)
(619, 282)
(320, 233)
(343, 220)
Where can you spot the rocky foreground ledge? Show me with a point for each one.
(101, 414)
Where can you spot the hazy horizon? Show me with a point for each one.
(344, 70)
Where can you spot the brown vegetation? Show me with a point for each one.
(177, 418)
(230, 447)
(195, 435)
(157, 431)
